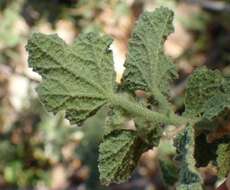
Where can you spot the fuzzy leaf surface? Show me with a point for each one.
(148, 131)
(115, 120)
(216, 105)
(77, 78)
(223, 159)
(147, 68)
(118, 156)
(189, 177)
(169, 171)
(207, 94)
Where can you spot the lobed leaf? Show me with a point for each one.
(78, 78)
(147, 68)
(118, 156)
(189, 177)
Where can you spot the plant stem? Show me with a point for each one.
(164, 104)
(138, 110)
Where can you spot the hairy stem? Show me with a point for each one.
(164, 104)
(138, 110)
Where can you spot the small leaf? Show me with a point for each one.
(189, 177)
(150, 132)
(116, 119)
(223, 159)
(169, 171)
(118, 156)
(147, 68)
(78, 78)
(207, 94)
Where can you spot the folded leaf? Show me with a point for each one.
(147, 68)
(189, 177)
(78, 78)
(118, 156)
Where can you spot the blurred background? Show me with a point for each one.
(41, 151)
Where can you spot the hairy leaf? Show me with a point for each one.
(117, 164)
(169, 171)
(119, 153)
(116, 119)
(149, 131)
(189, 177)
(207, 94)
(78, 78)
(223, 159)
(147, 68)
(216, 105)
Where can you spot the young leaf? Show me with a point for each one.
(147, 68)
(189, 177)
(115, 120)
(223, 159)
(207, 94)
(78, 78)
(119, 153)
(149, 131)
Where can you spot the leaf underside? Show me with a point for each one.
(77, 78)
(147, 68)
(80, 79)
(119, 153)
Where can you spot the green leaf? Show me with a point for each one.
(216, 105)
(150, 132)
(118, 156)
(147, 68)
(116, 119)
(169, 171)
(189, 177)
(77, 78)
(223, 159)
(207, 94)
